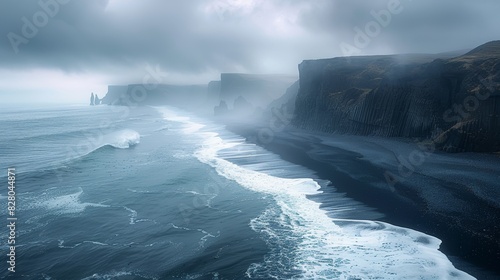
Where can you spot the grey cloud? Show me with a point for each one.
(182, 37)
(84, 34)
(422, 26)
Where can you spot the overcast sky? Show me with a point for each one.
(69, 48)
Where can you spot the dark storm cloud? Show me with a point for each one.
(229, 35)
(420, 26)
(99, 33)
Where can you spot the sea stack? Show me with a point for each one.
(221, 110)
(92, 99)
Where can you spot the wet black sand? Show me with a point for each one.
(454, 197)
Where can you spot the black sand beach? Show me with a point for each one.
(454, 197)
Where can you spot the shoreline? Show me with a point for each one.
(437, 199)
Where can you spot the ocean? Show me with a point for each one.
(109, 192)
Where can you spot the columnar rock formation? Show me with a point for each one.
(453, 102)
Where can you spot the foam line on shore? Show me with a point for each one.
(304, 242)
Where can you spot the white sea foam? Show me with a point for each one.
(118, 275)
(108, 276)
(203, 239)
(123, 139)
(181, 155)
(56, 203)
(188, 127)
(132, 215)
(62, 246)
(305, 243)
(209, 275)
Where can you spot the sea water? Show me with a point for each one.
(110, 192)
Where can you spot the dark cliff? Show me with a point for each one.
(286, 102)
(114, 94)
(213, 91)
(453, 102)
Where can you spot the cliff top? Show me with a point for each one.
(259, 77)
(490, 49)
(487, 50)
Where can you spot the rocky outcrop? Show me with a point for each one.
(221, 109)
(454, 102)
(97, 101)
(242, 107)
(257, 90)
(114, 95)
(92, 99)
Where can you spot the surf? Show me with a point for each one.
(121, 139)
(304, 242)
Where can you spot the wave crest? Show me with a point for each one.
(123, 139)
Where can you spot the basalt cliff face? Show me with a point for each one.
(453, 102)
